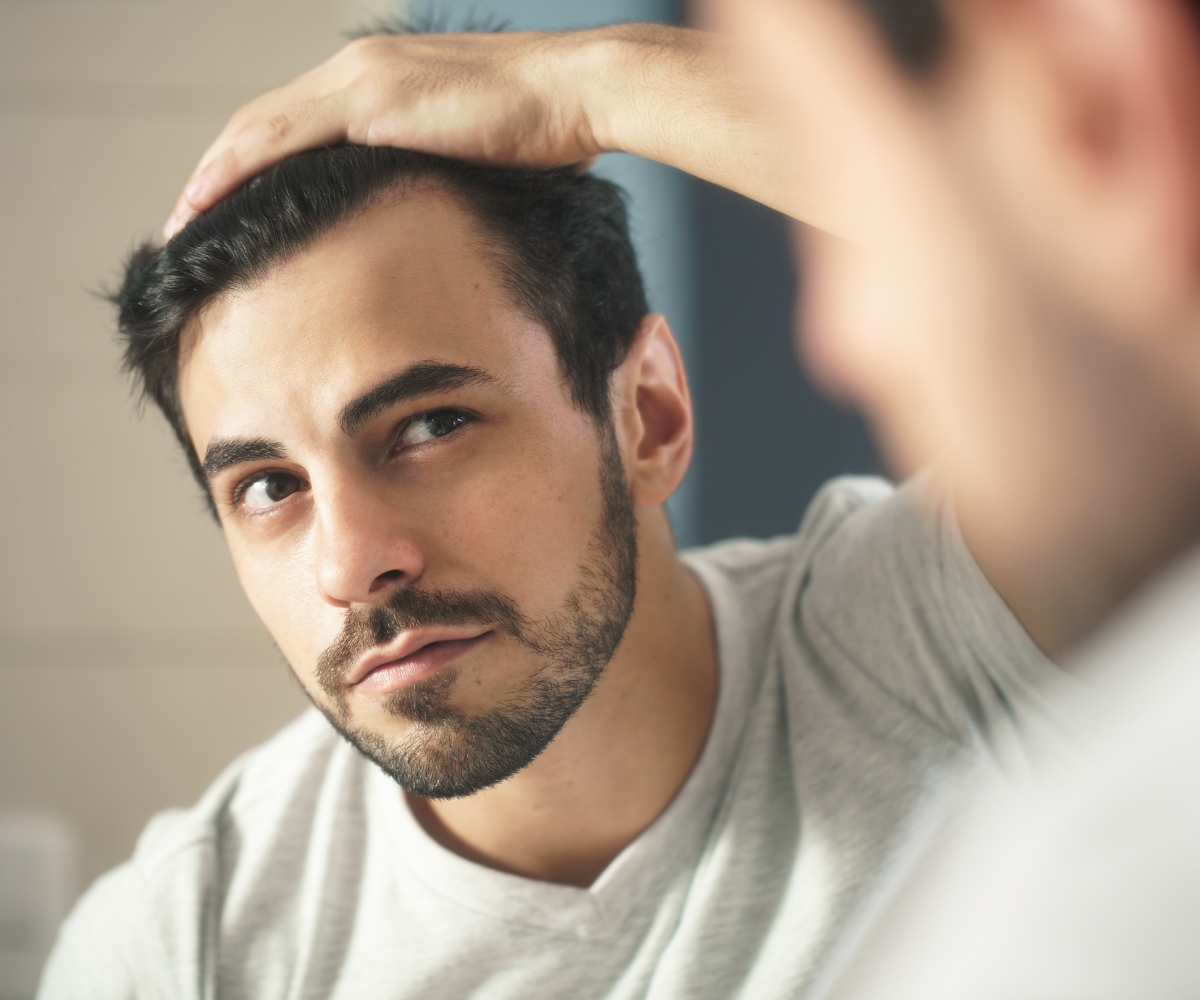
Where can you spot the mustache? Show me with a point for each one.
(407, 609)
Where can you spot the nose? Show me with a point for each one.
(364, 550)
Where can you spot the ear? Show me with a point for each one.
(652, 413)
(1083, 117)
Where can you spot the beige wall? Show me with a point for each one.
(131, 667)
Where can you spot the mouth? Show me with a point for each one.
(410, 659)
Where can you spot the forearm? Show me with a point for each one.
(679, 96)
(686, 98)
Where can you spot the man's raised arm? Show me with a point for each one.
(537, 99)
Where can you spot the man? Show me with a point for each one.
(1025, 209)
(438, 427)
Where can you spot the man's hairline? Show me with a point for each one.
(389, 196)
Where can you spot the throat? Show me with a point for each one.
(523, 849)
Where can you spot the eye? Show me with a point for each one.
(268, 490)
(430, 426)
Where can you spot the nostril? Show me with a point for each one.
(385, 579)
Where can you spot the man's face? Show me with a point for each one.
(439, 541)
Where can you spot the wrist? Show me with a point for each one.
(615, 68)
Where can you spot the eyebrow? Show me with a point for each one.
(416, 380)
(419, 379)
(224, 452)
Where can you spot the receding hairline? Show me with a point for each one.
(400, 191)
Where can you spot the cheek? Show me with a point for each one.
(523, 529)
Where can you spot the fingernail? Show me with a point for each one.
(196, 188)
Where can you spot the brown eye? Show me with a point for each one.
(432, 425)
(268, 490)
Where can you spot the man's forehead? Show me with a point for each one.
(402, 283)
(400, 253)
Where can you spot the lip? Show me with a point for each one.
(411, 656)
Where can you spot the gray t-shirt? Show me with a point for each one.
(1081, 880)
(861, 661)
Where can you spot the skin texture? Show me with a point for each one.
(510, 502)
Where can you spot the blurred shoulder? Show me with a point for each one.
(144, 928)
(147, 922)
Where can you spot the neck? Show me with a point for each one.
(621, 758)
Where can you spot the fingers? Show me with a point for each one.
(235, 158)
(473, 97)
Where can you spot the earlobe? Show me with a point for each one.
(653, 413)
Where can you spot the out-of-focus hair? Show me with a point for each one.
(915, 30)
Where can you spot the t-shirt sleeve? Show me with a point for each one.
(141, 931)
(92, 958)
(893, 593)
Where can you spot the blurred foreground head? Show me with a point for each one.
(1015, 287)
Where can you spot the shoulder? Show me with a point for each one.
(893, 595)
(754, 583)
(901, 569)
(878, 594)
(101, 949)
(152, 920)
(258, 786)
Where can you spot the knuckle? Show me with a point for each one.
(240, 118)
(369, 88)
(277, 128)
(365, 51)
(374, 92)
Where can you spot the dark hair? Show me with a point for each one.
(915, 30)
(559, 240)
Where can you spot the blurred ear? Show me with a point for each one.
(1083, 118)
(652, 413)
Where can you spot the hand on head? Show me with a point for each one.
(527, 100)
(469, 96)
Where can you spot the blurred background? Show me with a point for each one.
(131, 667)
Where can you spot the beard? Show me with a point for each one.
(448, 753)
